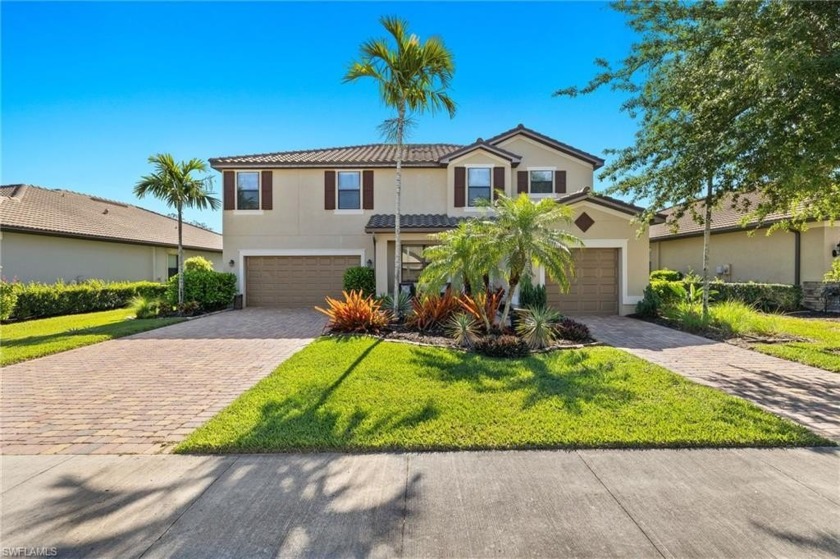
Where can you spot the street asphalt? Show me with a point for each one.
(587, 503)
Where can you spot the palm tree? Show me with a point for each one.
(464, 257)
(412, 78)
(173, 183)
(527, 232)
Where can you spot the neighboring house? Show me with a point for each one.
(294, 221)
(745, 253)
(47, 235)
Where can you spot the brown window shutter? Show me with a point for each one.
(559, 182)
(498, 181)
(329, 190)
(522, 182)
(229, 193)
(266, 185)
(460, 187)
(367, 190)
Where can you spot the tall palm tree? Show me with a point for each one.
(173, 183)
(527, 232)
(463, 257)
(413, 78)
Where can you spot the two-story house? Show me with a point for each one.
(294, 221)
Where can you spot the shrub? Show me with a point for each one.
(650, 304)
(766, 297)
(666, 275)
(432, 311)
(211, 290)
(360, 278)
(8, 298)
(482, 306)
(735, 317)
(502, 346)
(197, 263)
(531, 296)
(537, 326)
(834, 273)
(572, 330)
(39, 300)
(688, 315)
(356, 313)
(829, 294)
(463, 329)
(146, 307)
(403, 304)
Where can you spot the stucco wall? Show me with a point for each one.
(578, 173)
(47, 259)
(759, 257)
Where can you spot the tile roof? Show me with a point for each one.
(546, 140)
(65, 213)
(370, 155)
(380, 222)
(481, 144)
(724, 217)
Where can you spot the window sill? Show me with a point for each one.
(348, 212)
(541, 196)
(477, 209)
(248, 212)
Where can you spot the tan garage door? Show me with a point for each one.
(294, 281)
(594, 289)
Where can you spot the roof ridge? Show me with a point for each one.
(334, 148)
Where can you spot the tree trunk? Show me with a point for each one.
(180, 257)
(397, 193)
(514, 281)
(707, 234)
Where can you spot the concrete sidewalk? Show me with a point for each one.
(655, 503)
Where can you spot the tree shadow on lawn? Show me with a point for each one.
(577, 380)
(114, 329)
(300, 422)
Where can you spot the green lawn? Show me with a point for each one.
(36, 338)
(821, 350)
(361, 394)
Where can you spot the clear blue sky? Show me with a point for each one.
(90, 90)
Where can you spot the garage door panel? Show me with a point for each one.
(594, 287)
(294, 281)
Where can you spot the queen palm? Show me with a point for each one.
(174, 183)
(413, 78)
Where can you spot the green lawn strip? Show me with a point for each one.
(37, 338)
(359, 394)
(821, 350)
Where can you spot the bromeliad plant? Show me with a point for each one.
(356, 313)
(432, 311)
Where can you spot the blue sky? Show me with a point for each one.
(90, 90)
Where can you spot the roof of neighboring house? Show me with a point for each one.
(384, 155)
(415, 222)
(725, 218)
(34, 209)
(608, 202)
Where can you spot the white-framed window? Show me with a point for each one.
(541, 181)
(349, 190)
(478, 184)
(247, 190)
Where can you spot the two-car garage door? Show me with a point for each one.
(594, 289)
(294, 281)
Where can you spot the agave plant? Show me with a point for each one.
(403, 306)
(464, 329)
(537, 326)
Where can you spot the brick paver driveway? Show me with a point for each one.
(142, 393)
(807, 395)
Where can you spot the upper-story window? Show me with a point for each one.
(247, 190)
(478, 185)
(541, 182)
(349, 190)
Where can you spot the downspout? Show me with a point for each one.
(797, 258)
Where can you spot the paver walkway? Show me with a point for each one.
(611, 503)
(143, 393)
(807, 395)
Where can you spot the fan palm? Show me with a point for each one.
(174, 183)
(413, 78)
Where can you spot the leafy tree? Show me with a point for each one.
(732, 98)
(413, 78)
(174, 183)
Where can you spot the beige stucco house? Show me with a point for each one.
(294, 221)
(741, 253)
(48, 235)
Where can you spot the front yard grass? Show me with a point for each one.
(361, 394)
(37, 338)
(821, 348)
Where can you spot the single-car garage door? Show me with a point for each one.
(594, 289)
(294, 281)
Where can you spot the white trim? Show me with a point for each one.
(467, 207)
(359, 172)
(348, 212)
(535, 195)
(248, 212)
(236, 210)
(291, 252)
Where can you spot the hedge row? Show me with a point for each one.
(211, 290)
(39, 300)
(768, 297)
